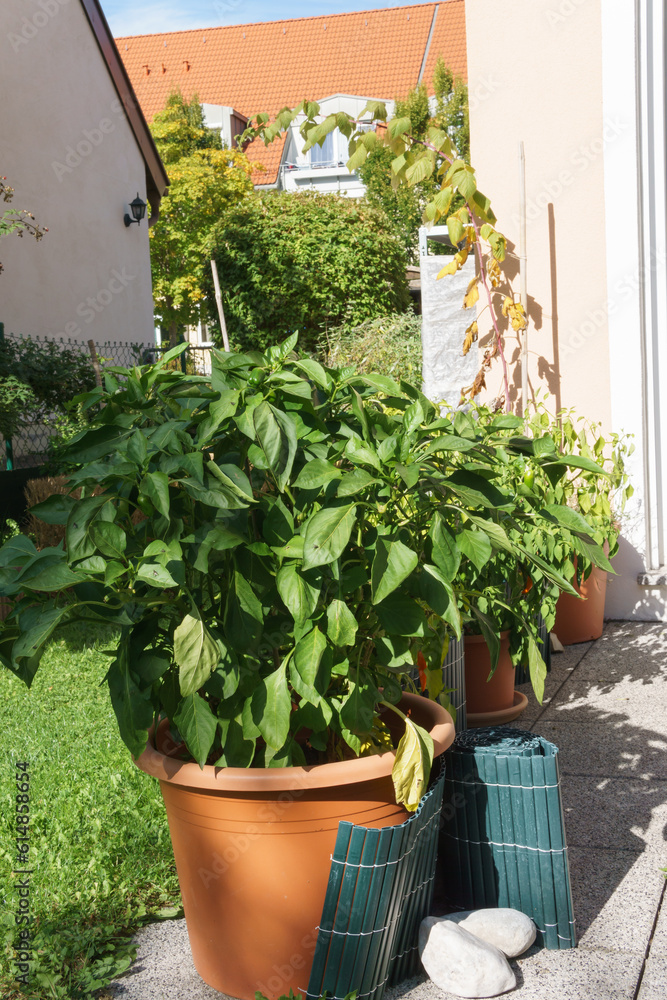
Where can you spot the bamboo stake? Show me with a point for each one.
(96, 363)
(523, 294)
(218, 299)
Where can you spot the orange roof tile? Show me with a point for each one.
(265, 66)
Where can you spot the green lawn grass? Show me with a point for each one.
(99, 841)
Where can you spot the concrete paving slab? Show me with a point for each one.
(615, 813)
(631, 650)
(617, 748)
(163, 969)
(643, 705)
(654, 980)
(552, 975)
(659, 943)
(615, 896)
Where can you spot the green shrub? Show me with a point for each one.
(52, 372)
(390, 344)
(306, 262)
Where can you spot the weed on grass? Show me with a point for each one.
(99, 850)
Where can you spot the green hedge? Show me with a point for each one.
(306, 262)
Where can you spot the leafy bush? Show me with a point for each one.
(306, 262)
(52, 372)
(390, 344)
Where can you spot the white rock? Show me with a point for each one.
(511, 931)
(459, 962)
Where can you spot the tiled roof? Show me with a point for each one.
(265, 66)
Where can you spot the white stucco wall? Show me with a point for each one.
(571, 94)
(70, 154)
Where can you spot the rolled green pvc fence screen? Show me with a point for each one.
(502, 841)
(380, 889)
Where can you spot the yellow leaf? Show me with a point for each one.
(472, 295)
(493, 271)
(471, 337)
(448, 269)
(507, 304)
(412, 767)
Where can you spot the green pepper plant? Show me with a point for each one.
(277, 544)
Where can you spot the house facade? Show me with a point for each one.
(586, 93)
(339, 61)
(75, 147)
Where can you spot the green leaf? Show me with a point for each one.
(569, 518)
(156, 575)
(197, 725)
(476, 546)
(537, 667)
(219, 411)
(476, 491)
(316, 473)
(299, 591)
(110, 538)
(78, 541)
(156, 487)
(271, 708)
(492, 639)
(237, 750)
(55, 510)
(393, 652)
(392, 564)
(132, 706)
(438, 593)
(361, 454)
(354, 482)
(244, 619)
(412, 767)
(307, 657)
(400, 615)
(446, 553)
(37, 626)
(455, 229)
(341, 624)
(276, 435)
(233, 478)
(137, 451)
(327, 534)
(195, 653)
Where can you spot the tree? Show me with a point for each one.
(305, 262)
(17, 221)
(205, 181)
(405, 205)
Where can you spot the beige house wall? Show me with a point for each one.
(536, 68)
(69, 152)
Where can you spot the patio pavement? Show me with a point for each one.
(605, 707)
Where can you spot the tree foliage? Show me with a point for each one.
(205, 181)
(405, 205)
(18, 221)
(306, 262)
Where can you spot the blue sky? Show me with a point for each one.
(140, 17)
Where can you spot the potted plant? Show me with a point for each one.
(601, 498)
(515, 593)
(277, 544)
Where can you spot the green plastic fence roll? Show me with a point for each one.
(502, 840)
(380, 889)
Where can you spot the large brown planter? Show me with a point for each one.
(253, 850)
(490, 702)
(582, 621)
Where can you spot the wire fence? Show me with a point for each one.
(31, 443)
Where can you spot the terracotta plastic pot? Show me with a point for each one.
(581, 621)
(496, 694)
(253, 849)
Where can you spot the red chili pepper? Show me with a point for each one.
(421, 663)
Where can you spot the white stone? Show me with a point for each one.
(511, 931)
(459, 962)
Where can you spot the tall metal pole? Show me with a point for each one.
(523, 294)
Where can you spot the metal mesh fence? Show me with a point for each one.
(29, 445)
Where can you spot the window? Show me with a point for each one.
(324, 155)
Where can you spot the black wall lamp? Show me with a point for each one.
(138, 208)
